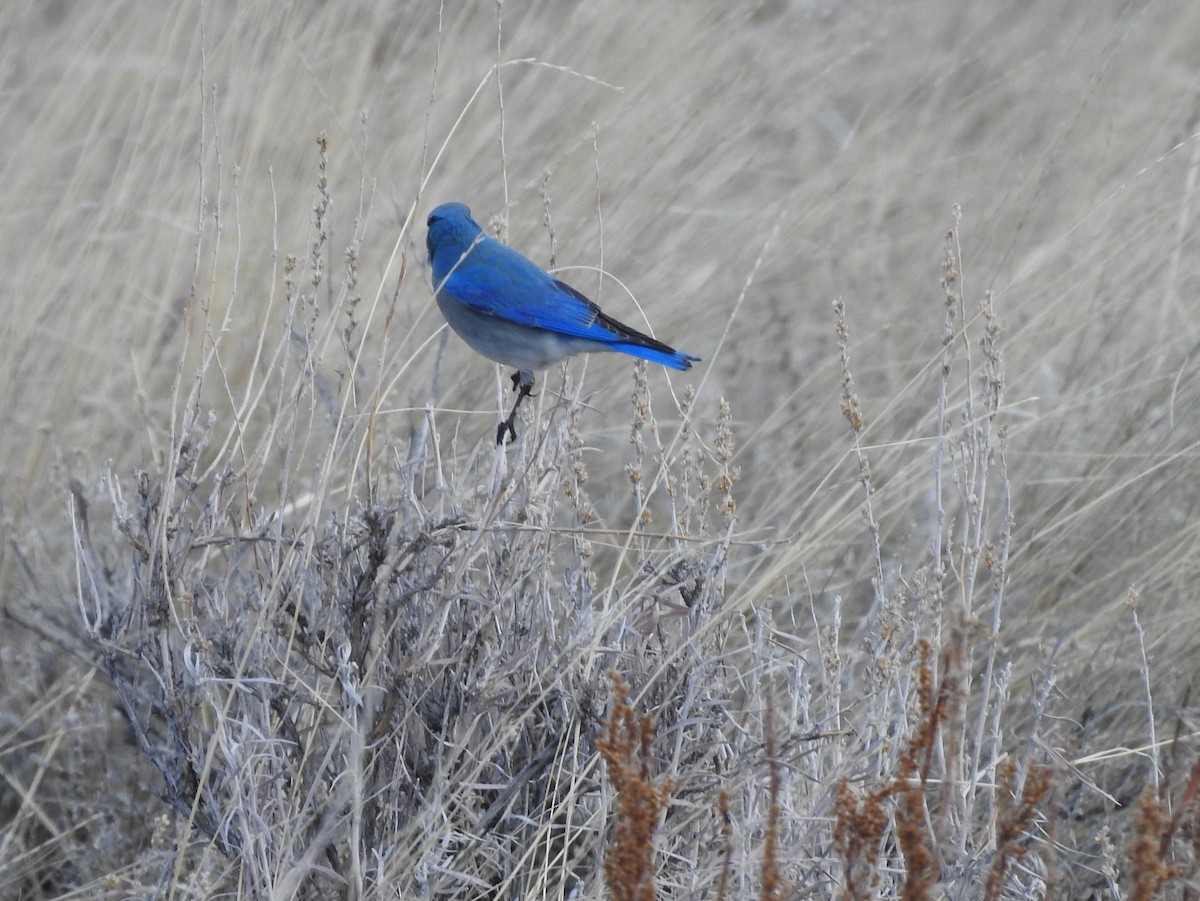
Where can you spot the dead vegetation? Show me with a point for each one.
(310, 635)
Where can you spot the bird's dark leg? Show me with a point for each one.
(523, 385)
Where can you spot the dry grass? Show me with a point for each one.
(280, 622)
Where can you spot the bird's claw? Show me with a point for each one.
(523, 385)
(506, 426)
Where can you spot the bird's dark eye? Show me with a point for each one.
(432, 219)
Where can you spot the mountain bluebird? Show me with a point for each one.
(514, 312)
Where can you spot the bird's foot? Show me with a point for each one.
(523, 385)
(506, 426)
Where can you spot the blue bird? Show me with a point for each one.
(514, 312)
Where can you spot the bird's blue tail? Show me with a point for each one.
(669, 357)
(630, 341)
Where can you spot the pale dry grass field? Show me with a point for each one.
(891, 596)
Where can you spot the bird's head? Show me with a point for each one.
(451, 232)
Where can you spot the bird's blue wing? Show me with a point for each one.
(498, 281)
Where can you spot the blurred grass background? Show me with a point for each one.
(738, 168)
